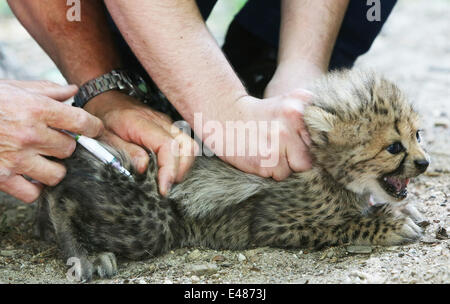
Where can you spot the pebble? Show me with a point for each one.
(443, 123)
(424, 224)
(151, 268)
(194, 255)
(8, 253)
(241, 257)
(441, 234)
(203, 269)
(359, 249)
(218, 258)
(359, 275)
(392, 248)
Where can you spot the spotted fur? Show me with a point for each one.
(353, 118)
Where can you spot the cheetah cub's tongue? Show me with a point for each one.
(398, 183)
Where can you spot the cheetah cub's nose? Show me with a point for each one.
(421, 164)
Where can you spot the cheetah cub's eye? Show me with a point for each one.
(419, 138)
(395, 148)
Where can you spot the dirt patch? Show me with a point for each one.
(414, 51)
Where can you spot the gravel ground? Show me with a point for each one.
(413, 50)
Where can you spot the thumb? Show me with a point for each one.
(139, 157)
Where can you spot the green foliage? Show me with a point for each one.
(240, 3)
(5, 11)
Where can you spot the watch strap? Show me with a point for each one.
(115, 80)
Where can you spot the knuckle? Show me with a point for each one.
(99, 127)
(27, 136)
(57, 177)
(139, 154)
(83, 119)
(171, 142)
(264, 172)
(16, 159)
(69, 149)
(291, 112)
(277, 177)
(35, 112)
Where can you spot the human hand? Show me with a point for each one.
(28, 112)
(132, 126)
(292, 75)
(284, 149)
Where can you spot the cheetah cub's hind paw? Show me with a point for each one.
(81, 269)
(105, 265)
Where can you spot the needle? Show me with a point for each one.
(98, 151)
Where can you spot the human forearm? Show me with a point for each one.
(81, 50)
(308, 33)
(309, 30)
(172, 42)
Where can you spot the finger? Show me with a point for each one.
(298, 156)
(56, 144)
(188, 149)
(162, 118)
(139, 157)
(21, 189)
(43, 170)
(283, 170)
(153, 137)
(168, 167)
(62, 116)
(48, 88)
(305, 136)
(57, 92)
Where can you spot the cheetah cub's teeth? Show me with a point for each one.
(394, 186)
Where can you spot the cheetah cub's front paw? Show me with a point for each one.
(405, 232)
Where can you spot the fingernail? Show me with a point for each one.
(140, 163)
(165, 190)
(169, 187)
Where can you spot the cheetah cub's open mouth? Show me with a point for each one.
(395, 186)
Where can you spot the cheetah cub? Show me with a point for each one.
(365, 143)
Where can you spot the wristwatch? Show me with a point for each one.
(128, 82)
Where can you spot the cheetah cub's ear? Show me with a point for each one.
(318, 122)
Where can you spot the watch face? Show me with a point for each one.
(139, 84)
(139, 87)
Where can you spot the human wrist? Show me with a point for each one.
(108, 101)
(293, 74)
